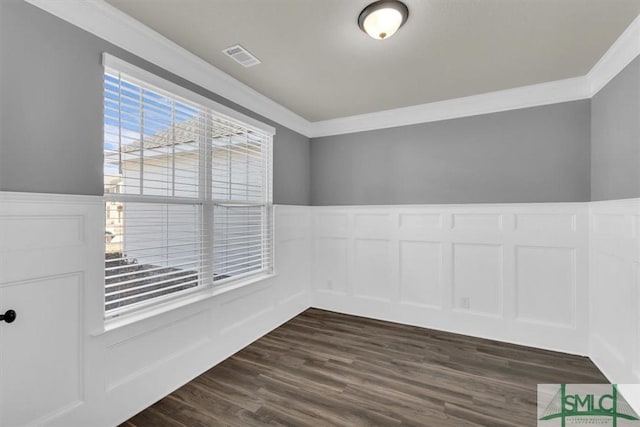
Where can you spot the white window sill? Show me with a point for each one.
(212, 291)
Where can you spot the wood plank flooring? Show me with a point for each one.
(328, 369)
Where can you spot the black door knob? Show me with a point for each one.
(8, 316)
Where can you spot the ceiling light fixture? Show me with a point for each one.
(382, 19)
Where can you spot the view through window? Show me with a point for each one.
(187, 195)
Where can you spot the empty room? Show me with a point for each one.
(319, 213)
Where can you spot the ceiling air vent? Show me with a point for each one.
(241, 55)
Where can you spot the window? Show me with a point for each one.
(187, 189)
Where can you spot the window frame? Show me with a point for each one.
(205, 199)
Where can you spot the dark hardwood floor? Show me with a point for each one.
(328, 369)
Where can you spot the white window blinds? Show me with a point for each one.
(241, 191)
(187, 194)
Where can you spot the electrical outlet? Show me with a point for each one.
(465, 302)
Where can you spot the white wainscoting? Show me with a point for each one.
(510, 272)
(58, 367)
(614, 304)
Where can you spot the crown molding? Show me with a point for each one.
(107, 22)
(511, 99)
(625, 49)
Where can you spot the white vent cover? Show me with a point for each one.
(241, 55)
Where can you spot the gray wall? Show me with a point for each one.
(51, 104)
(539, 154)
(51, 136)
(615, 137)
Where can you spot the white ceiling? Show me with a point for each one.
(319, 64)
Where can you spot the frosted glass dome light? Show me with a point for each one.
(383, 18)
